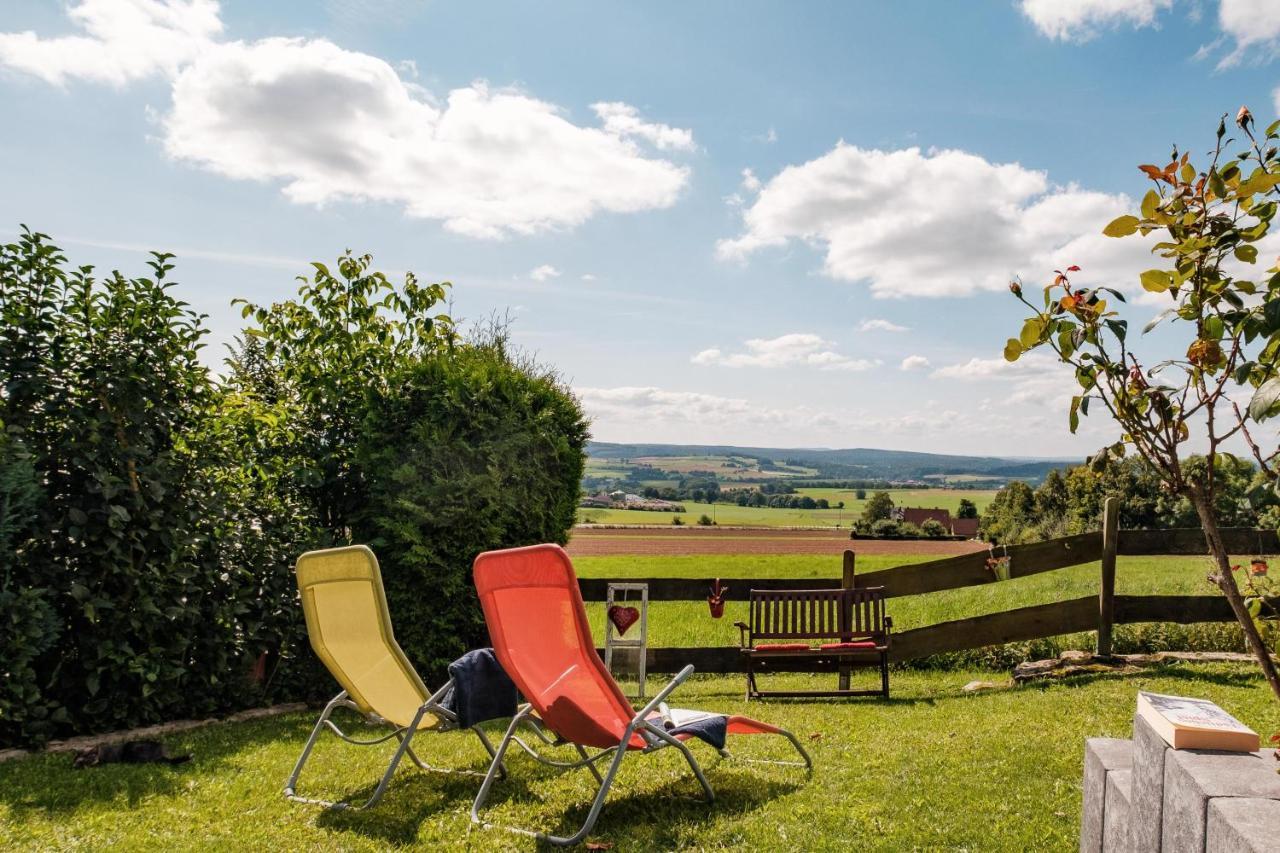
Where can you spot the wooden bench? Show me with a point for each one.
(816, 630)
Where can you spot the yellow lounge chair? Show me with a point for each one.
(350, 630)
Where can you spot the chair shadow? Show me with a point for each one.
(677, 802)
(50, 783)
(411, 799)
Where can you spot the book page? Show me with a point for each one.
(1195, 713)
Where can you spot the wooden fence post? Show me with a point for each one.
(846, 582)
(1107, 591)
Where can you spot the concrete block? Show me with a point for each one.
(1194, 777)
(1102, 755)
(1115, 820)
(1146, 798)
(1242, 825)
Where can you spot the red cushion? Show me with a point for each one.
(861, 644)
(781, 647)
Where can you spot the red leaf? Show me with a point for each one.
(1155, 173)
(1073, 268)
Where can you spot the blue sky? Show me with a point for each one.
(724, 222)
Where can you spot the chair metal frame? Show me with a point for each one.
(642, 723)
(404, 734)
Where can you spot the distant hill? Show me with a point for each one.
(859, 462)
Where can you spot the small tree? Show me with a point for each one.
(860, 494)
(1210, 220)
(933, 528)
(968, 509)
(705, 520)
(341, 339)
(879, 507)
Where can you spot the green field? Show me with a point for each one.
(687, 623)
(734, 515)
(933, 768)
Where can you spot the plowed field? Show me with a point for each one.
(602, 542)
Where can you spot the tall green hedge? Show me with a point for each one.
(151, 513)
(468, 450)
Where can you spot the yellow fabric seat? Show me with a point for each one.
(349, 625)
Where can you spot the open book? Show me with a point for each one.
(674, 718)
(1195, 724)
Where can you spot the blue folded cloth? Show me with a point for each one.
(481, 690)
(710, 729)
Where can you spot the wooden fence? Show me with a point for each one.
(1089, 613)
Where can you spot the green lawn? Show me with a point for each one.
(932, 768)
(680, 623)
(732, 514)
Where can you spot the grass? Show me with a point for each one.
(687, 623)
(745, 516)
(931, 768)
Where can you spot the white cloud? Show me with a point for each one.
(750, 182)
(623, 120)
(334, 125)
(586, 276)
(877, 325)
(794, 350)
(544, 272)
(1080, 20)
(122, 41)
(667, 406)
(337, 125)
(1252, 23)
(942, 223)
(915, 362)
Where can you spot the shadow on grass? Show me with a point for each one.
(49, 783)
(656, 818)
(1173, 671)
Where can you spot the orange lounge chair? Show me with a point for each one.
(539, 630)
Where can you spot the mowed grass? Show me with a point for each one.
(744, 516)
(932, 768)
(688, 623)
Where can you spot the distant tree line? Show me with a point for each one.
(1071, 502)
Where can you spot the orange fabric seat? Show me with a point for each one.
(781, 647)
(854, 646)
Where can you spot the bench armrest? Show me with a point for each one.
(743, 629)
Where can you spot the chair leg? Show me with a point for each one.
(591, 765)
(884, 674)
(404, 736)
(395, 762)
(560, 841)
(290, 786)
(688, 756)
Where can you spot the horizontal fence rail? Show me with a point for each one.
(1077, 615)
(1012, 626)
(966, 569)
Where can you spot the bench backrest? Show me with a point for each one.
(813, 614)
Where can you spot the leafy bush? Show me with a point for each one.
(677, 520)
(28, 623)
(885, 527)
(153, 576)
(466, 451)
(705, 520)
(933, 528)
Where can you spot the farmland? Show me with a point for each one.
(727, 514)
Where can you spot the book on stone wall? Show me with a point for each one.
(1187, 723)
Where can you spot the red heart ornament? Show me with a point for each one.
(623, 617)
